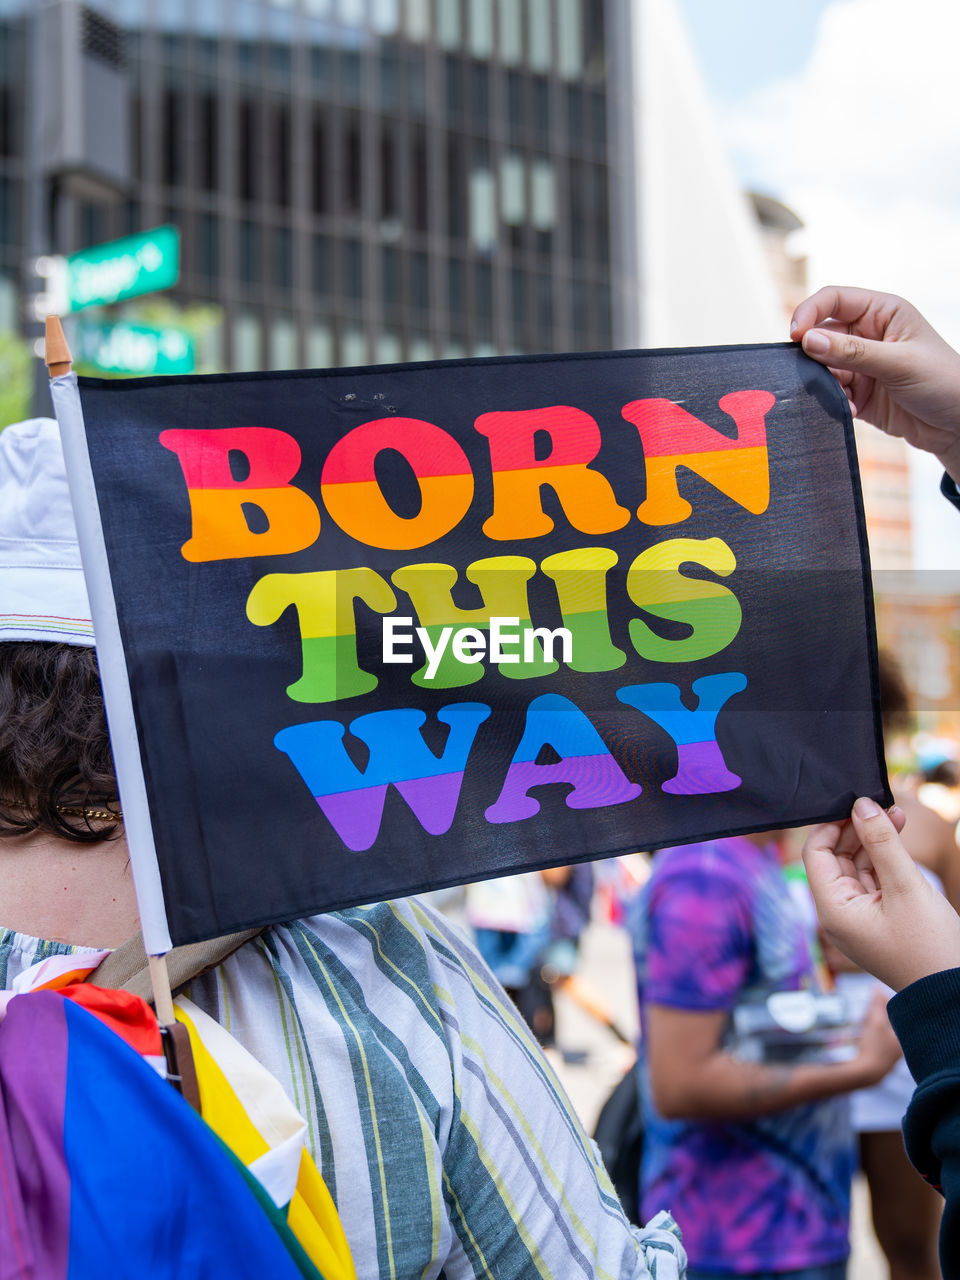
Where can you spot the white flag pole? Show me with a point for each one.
(113, 668)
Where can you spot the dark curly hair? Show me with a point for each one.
(54, 749)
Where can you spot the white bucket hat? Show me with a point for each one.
(42, 592)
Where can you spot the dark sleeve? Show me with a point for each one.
(926, 1018)
(949, 489)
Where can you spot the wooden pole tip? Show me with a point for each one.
(56, 352)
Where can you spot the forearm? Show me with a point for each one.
(724, 1088)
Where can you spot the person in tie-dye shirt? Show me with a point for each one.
(754, 1158)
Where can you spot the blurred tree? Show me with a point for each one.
(16, 378)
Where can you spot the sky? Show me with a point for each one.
(846, 110)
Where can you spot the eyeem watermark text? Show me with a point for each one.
(505, 641)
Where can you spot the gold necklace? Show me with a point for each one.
(70, 811)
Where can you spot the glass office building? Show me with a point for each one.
(355, 181)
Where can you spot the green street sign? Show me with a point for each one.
(134, 348)
(123, 268)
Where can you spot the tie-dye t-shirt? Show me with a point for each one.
(716, 925)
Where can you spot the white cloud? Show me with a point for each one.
(864, 145)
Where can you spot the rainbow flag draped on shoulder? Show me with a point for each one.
(106, 1171)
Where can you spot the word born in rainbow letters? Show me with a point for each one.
(456, 639)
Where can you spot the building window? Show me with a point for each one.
(8, 303)
(353, 270)
(390, 277)
(320, 69)
(248, 268)
(319, 346)
(483, 299)
(569, 38)
(580, 308)
(209, 346)
(208, 149)
(208, 247)
(389, 80)
(282, 257)
(280, 61)
(246, 342)
(415, 86)
(603, 311)
(480, 94)
(93, 224)
(281, 157)
(136, 150)
(318, 163)
(545, 311)
(388, 182)
(131, 217)
(513, 196)
(208, 18)
(594, 35)
(456, 289)
(481, 27)
(419, 182)
(248, 57)
(579, 202)
(283, 342)
(541, 107)
(449, 31)
(511, 30)
(350, 12)
(385, 16)
(353, 169)
(247, 147)
(9, 221)
(516, 105)
(417, 14)
(389, 347)
(453, 79)
(351, 76)
(170, 138)
(574, 113)
(321, 265)
(353, 348)
(601, 214)
(539, 22)
(543, 194)
(7, 145)
(421, 348)
(456, 193)
(420, 282)
(598, 120)
(518, 299)
(483, 209)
